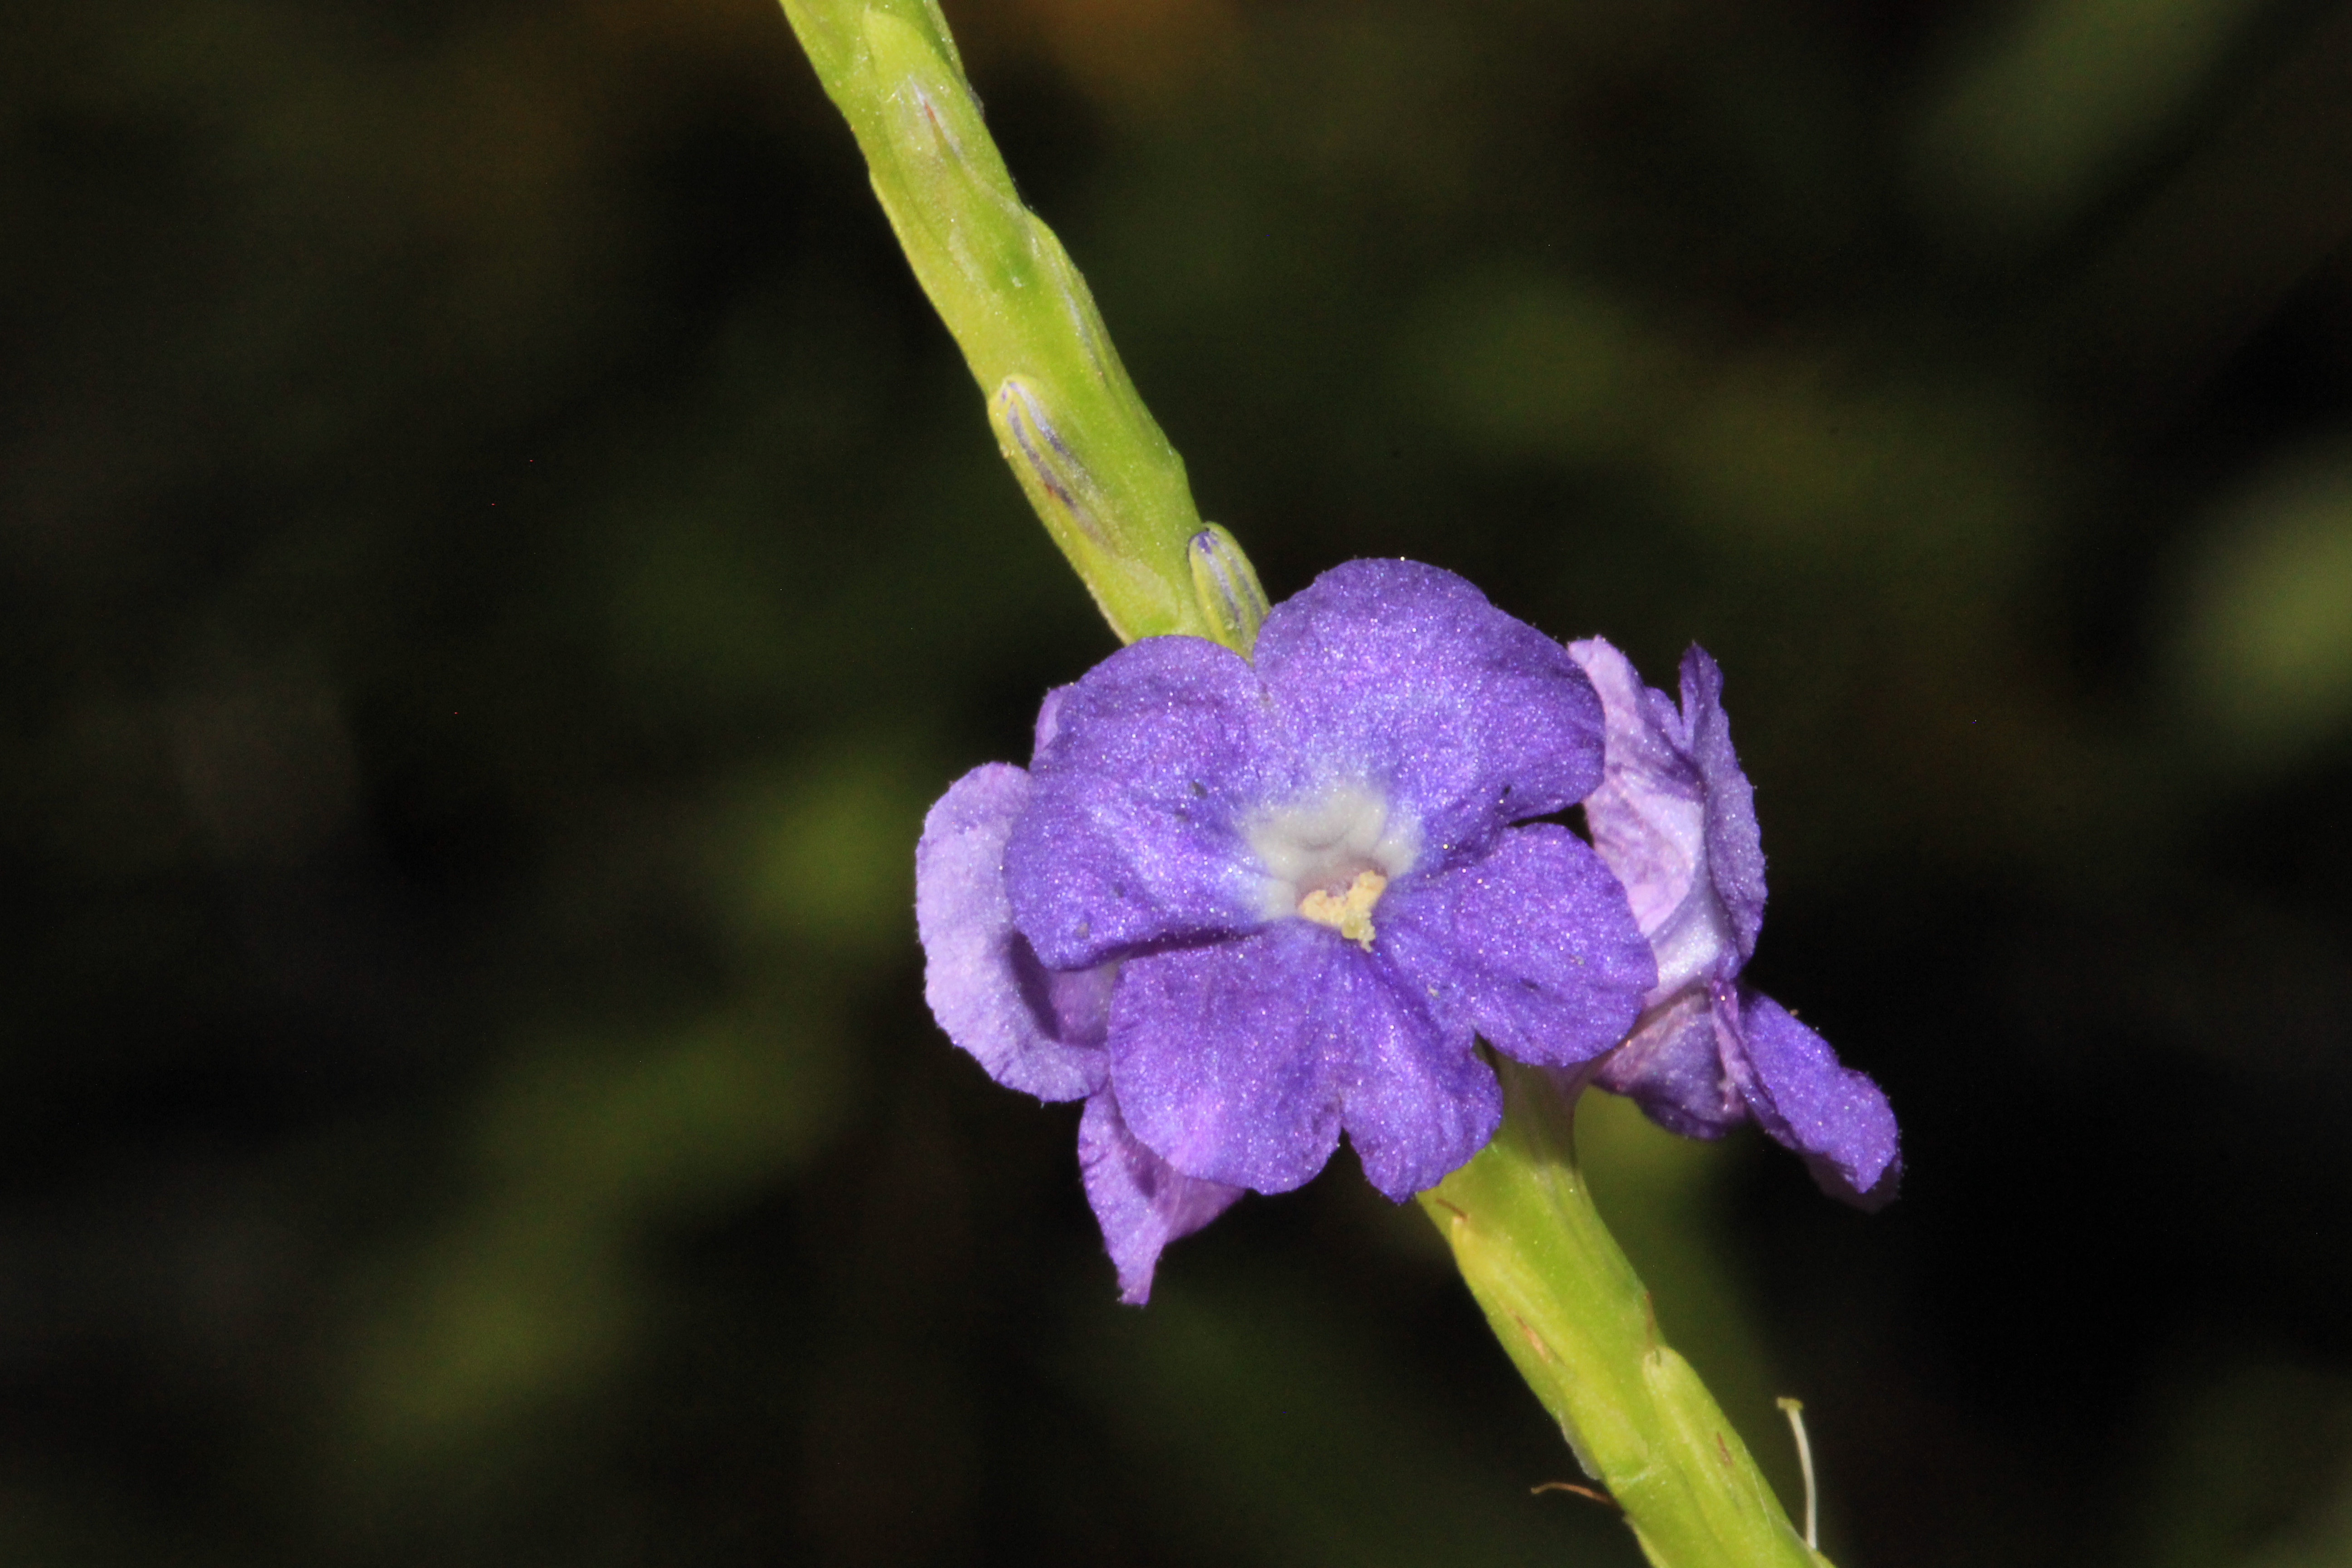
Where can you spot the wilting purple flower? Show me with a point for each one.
(1244, 906)
(1676, 820)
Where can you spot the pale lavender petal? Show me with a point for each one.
(1049, 720)
(1141, 1201)
(1225, 1059)
(1037, 1032)
(1404, 677)
(1734, 844)
(1658, 815)
(1648, 817)
(1836, 1117)
(1532, 946)
(1671, 1066)
(1131, 833)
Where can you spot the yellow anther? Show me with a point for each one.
(1348, 913)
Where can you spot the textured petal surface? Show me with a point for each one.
(1404, 675)
(1834, 1117)
(1734, 844)
(1418, 1101)
(1671, 1066)
(1533, 946)
(1141, 1201)
(1034, 1031)
(1131, 835)
(1648, 815)
(1225, 1059)
(1671, 804)
(1049, 720)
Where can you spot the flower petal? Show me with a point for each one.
(1671, 1066)
(1836, 1117)
(1533, 946)
(1130, 835)
(1675, 818)
(1734, 844)
(1648, 815)
(1141, 1201)
(1419, 1103)
(1036, 1031)
(1049, 720)
(1225, 1058)
(1404, 675)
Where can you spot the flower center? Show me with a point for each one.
(1348, 913)
(1328, 856)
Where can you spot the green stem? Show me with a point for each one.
(1576, 1320)
(1110, 488)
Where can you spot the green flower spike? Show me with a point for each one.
(1110, 488)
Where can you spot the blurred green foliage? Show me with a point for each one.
(496, 558)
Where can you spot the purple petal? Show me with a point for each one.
(1648, 817)
(1671, 1066)
(1245, 1061)
(1834, 1117)
(1668, 808)
(1418, 1101)
(1404, 675)
(1130, 835)
(1035, 1031)
(1533, 946)
(1225, 1059)
(1242, 1062)
(1141, 1201)
(1049, 720)
(1734, 844)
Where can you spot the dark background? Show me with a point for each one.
(496, 557)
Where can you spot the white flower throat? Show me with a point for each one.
(1328, 856)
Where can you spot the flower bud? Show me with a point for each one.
(1227, 587)
(1059, 486)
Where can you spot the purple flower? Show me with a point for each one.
(1242, 906)
(1676, 819)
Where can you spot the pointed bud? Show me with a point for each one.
(1227, 587)
(1059, 486)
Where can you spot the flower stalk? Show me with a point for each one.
(1107, 484)
(1576, 1321)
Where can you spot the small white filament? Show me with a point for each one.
(1795, 1411)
